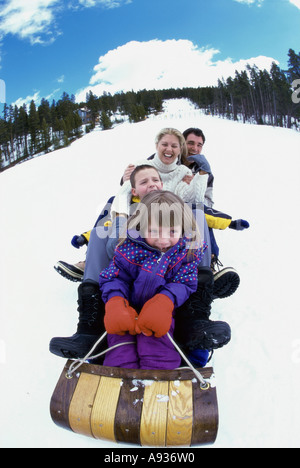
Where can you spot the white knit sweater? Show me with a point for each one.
(171, 175)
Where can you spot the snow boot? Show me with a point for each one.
(90, 326)
(71, 272)
(199, 357)
(226, 280)
(193, 329)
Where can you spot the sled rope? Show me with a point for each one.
(204, 385)
(78, 362)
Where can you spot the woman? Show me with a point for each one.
(170, 149)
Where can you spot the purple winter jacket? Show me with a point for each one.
(138, 272)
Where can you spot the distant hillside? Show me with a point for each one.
(253, 96)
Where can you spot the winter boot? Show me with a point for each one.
(226, 280)
(193, 329)
(199, 357)
(90, 326)
(71, 272)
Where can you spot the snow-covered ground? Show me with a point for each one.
(47, 200)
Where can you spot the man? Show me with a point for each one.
(90, 305)
(144, 179)
(195, 139)
(226, 280)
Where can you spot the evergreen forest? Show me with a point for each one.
(251, 96)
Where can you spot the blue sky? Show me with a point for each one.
(51, 46)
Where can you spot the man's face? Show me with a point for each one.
(146, 181)
(194, 144)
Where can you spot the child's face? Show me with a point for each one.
(163, 238)
(146, 181)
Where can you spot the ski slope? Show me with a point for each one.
(47, 200)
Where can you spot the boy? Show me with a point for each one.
(102, 242)
(144, 179)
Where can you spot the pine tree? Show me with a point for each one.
(44, 112)
(92, 103)
(21, 130)
(105, 121)
(46, 138)
(4, 134)
(34, 125)
(294, 65)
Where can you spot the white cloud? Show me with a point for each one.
(251, 2)
(60, 79)
(28, 19)
(36, 98)
(52, 95)
(162, 64)
(296, 3)
(36, 19)
(104, 3)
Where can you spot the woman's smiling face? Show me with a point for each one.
(168, 149)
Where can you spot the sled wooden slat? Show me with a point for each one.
(155, 414)
(82, 403)
(104, 409)
(206, 418)
(128, 414)
(180, 414)
(61, 399)
(140, 407)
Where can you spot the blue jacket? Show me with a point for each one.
(138, 272)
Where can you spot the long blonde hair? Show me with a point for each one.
(165, 209)
(181, 139)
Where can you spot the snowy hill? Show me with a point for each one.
(47, 200)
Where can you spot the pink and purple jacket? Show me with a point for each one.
(138, 272)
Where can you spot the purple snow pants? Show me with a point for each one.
(143, 352)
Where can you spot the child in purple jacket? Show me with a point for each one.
(154, 271)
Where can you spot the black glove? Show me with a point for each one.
(78, 241)
(239, 225)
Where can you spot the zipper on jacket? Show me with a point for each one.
(159, 259)
(152, 277)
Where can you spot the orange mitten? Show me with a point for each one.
(156, 316)
(119, 316)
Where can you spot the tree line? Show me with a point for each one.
(253, 95)
(262, 97)
(27, 132)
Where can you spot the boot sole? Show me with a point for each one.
(226, 283)
(69, 274)
(215, 336)
(59, 347)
